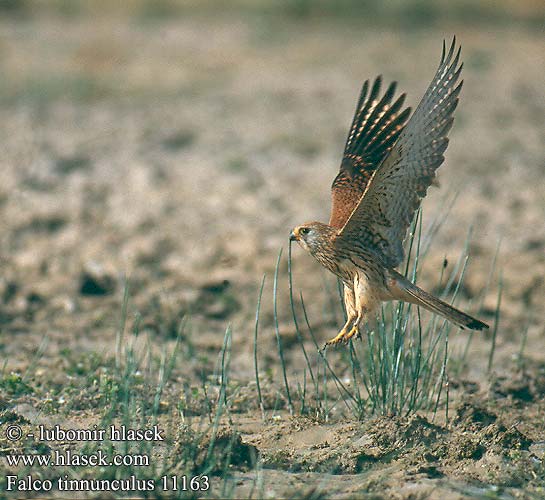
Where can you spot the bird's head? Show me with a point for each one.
(311, 235)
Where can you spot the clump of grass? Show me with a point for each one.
(198, 450)
(14, 385)
(135, 390)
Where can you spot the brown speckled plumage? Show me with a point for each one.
(387, 167)
(374, 130)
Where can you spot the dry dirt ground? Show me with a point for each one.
(176, 154)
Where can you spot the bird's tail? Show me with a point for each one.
(402, 289)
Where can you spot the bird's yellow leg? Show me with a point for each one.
(341, 335)
(354, 331)
(351, 326)
(348, 331)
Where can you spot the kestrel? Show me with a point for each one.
(388, 164)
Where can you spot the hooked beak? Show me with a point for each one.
(293, 236)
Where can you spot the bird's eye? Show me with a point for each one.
(304, 230)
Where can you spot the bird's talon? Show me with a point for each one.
(335, 340)
(354, 332)
(343, 337)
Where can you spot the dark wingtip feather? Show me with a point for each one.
(400, 101)
(446, 58)
(457, 58)
(475, 324)
(457, 89)
(375, 90)
(458, 71)
(364, 89)
(392, 88)
(451, 50)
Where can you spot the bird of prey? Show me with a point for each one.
(388, 164)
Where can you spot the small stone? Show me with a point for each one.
(94, 280)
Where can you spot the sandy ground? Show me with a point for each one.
(179, 154)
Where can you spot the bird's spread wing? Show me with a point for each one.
(375, 128)
(385, 210)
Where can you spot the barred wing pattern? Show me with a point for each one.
(387, 207)
(375, 128)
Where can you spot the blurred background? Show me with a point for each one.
(176, 143)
